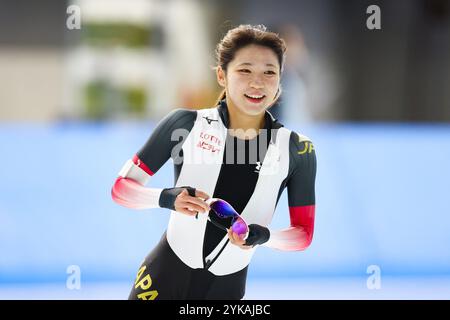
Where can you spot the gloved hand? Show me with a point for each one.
(185, 200)
(257, 235)
(169, 195)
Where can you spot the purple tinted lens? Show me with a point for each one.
(239, 227)
(223, 209)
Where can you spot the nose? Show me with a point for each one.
(256, 83)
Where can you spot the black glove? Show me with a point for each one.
(257, 235)
(168, 196)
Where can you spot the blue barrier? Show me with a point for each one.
(382, 199)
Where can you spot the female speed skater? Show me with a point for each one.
(235, 151)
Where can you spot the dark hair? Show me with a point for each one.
(243, 36)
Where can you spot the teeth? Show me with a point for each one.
(254, 97)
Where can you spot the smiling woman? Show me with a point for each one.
(195, 259)
(251, 79)
(249, 64)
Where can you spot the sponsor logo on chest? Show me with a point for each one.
(209, 141)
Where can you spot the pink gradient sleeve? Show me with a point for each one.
(133, 195)
(299, 235)
(129, 191)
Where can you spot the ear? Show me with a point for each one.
(221, 76)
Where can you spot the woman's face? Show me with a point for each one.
(252, 79)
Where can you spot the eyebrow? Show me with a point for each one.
(249, 64)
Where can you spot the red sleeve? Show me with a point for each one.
(301, 198)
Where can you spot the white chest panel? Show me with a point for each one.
(203, 155)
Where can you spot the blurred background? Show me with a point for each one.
(76, 103)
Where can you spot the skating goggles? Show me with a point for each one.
(225, 217)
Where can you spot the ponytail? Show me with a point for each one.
(222, 96)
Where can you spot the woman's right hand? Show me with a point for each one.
(191, 206)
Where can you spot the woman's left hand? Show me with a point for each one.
(237, 240)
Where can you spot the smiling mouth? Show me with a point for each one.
(254, 98)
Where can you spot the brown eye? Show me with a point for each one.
(270, 72)
(244, 70)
